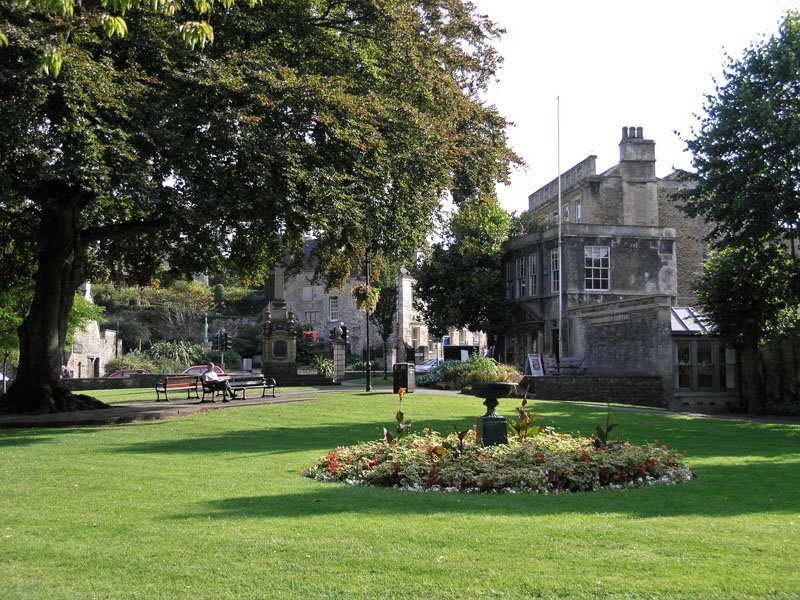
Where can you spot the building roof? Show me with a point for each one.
(686, 319)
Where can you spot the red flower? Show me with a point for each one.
(333, 462)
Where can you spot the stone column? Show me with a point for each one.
(338, 360)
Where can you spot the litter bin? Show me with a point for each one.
(403, 375)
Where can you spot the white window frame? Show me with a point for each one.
(578, 212)
(519, 279)
(597, 268)
(555, 271)
(333, 308)
(533, 284)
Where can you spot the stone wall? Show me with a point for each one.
(639, 391)
(92, 350)
(118, 383)
(606, 206)
(690, 251)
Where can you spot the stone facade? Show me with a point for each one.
(93, 347)
(597, 290)
(322, 309)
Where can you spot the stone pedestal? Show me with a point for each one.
(338, 359)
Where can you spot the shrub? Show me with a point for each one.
(174, 357)
(132, 360)
(488, 369)
(454, 374)
(323, 365)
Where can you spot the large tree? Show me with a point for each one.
(744, 292)
(746, 183)
(346, 119)
(460, 279)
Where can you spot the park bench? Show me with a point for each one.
(241, 384)
(178, 383)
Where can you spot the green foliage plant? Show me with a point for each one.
(486, 369)
(602, 433)
(522, 428)
(132, 360)
(323, 365)
(403, 428)
(176, 354)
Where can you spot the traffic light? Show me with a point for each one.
(228, 341)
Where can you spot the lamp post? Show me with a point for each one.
(369, 366)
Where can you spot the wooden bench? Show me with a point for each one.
(178, 383)
(240, 385)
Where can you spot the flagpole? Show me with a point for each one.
(560, 215)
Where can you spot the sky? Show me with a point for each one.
(576, 71)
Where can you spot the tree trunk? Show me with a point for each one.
(37, 388)
(754, 388)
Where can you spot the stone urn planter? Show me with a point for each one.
(492, 428)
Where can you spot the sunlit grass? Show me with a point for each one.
(214, 506)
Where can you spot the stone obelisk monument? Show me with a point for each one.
(279, 350)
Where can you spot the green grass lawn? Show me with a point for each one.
(213, 506)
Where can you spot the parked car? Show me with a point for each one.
(127, 373)
(200, 369)
(427, 365)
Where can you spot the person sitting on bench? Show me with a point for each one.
(212, 381)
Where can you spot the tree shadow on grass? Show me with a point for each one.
(699, 438)
(276, 439)
(10, 438)
(732, 491)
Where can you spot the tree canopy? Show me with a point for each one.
(349, 120)
(460, 279)
(746, 183)
(746, 153)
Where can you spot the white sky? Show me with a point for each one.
(612, 63)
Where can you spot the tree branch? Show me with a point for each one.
(123, 230)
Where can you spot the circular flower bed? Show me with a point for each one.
(545, 463)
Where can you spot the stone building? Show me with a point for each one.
(325, 309)
(596, 292)
(93, 347)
